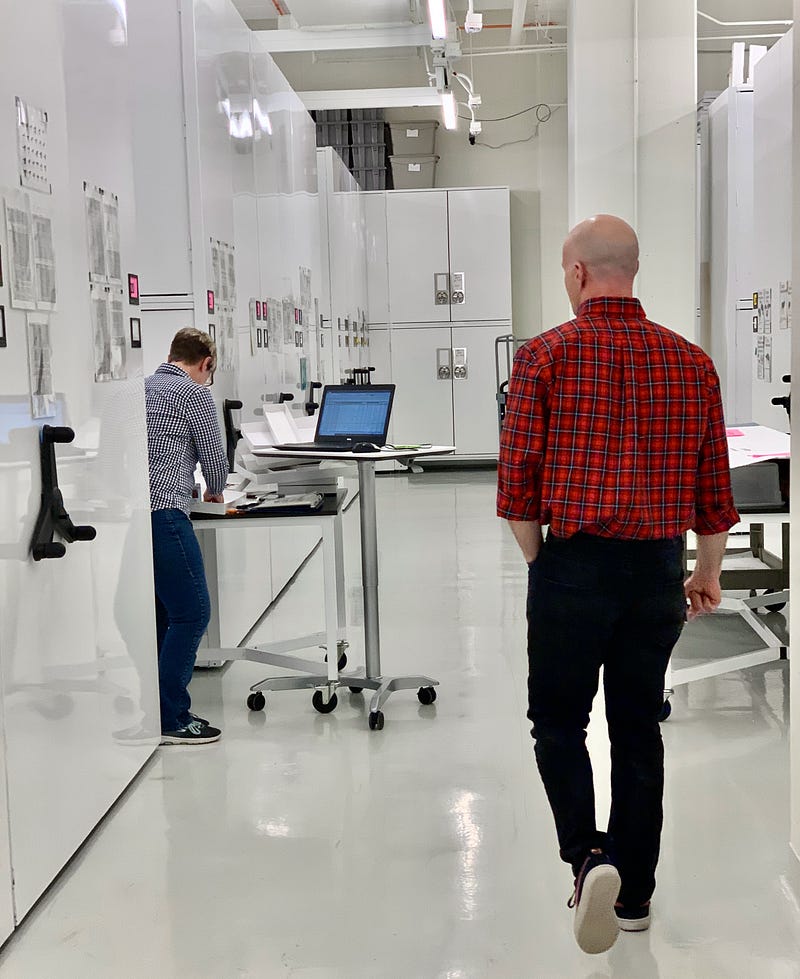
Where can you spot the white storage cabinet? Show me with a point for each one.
(448, 283)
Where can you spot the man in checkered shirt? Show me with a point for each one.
(182, 430)
(614, 436)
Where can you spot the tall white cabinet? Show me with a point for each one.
(441, 297)
(77, 633)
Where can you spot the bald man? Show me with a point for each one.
(614, 437)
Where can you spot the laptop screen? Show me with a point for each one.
(355, 413)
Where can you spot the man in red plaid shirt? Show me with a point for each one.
(614, 436)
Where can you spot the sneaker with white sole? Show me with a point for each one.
(635, 918)
(596, 891)
(195, 732)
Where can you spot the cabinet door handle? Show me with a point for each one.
(444, 364)
(458, 295)
(460, 363)
(441, 288)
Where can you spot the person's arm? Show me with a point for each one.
(702, 586)
(204, 427)
(528, 534)
(522, 447)
(715, 512)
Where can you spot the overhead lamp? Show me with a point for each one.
(438, 19)
(449, 110)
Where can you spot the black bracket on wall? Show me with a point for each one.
(232, 433)
(785, 401)
(311, 405)
(53, 518)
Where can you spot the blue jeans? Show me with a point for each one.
(618, 604)
(183, 609)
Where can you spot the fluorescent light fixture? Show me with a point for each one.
(449, 110)
(262, 118)
(438, 19)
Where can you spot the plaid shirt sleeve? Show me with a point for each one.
(201, 413)
(714, 508)
(524, 435)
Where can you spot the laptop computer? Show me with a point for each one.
(349, 414)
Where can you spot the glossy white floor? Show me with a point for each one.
(307, 846)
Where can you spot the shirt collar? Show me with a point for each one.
(618, 306)
(167, 368)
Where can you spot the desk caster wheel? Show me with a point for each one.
(319, 704)
(666, 710)
(773, 608)
(256, 701)
(376, 720)
(342, 661)
(426, 695)
(356, 689)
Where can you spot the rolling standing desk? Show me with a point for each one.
(329, 518)
(371, 677)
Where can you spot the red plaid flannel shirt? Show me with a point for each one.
(614, 426)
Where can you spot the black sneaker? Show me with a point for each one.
(193, 733)
(596, 889)
(194, 717)
(636, 918)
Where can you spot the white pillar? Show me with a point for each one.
(632, 124)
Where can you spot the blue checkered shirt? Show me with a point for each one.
(182, 430)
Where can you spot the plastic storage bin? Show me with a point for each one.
(360, 115)
(373, 178)
(367, 131)
(414, 138)
(413, 172)
(369, 157)
(333, 134)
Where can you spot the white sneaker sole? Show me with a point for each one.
(167, 739)
(596, 925)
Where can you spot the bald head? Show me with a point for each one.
(600, 258)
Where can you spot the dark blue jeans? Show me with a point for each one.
(183, 609)
(618, 604)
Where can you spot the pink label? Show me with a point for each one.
(733, 432)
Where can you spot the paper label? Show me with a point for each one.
(414, 167)
(412, 133)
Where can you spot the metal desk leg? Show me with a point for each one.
(372, 678)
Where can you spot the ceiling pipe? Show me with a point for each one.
(735, 37)
(518, 21)
(747, 23)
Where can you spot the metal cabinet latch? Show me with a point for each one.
(460, 363)
(444, 364)
(458, 293)
(441, 288)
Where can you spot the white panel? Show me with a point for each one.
(423, 405)
(159, 149)
(418, 250)
(245, 575)
(731, 248)
(474, 401)
(380, 355)
(290, 547)
(772, 178)
(480, 247)
(77, 635)
(377, 259)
